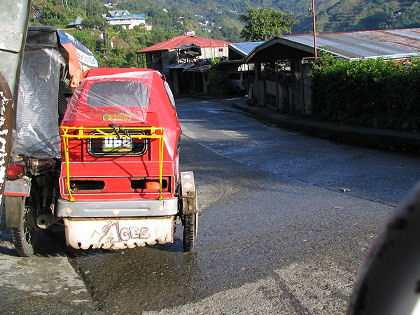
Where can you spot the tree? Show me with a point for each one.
(93, 21)
(264, 23)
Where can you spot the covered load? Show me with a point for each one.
(51, 57)
(129, 97)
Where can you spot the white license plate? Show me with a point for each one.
(115, 144)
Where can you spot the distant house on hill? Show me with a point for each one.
(126, 19)
(76, 23)
(110, 5)
(185, 60)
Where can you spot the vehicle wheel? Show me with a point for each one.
(26, 238)
(190, 226)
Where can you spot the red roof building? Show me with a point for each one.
(178, 41)
(164, 55)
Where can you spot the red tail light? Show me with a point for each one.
(15, 171)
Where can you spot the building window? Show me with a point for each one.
(220, 49)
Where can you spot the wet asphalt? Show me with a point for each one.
(285, 221)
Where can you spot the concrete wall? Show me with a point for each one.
(213, 52)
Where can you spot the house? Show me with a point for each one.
(287, 87)
(126, 19)
(162, 55)
(185, 60)
(76, 23)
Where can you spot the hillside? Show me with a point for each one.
(219, 19)
(332, 15)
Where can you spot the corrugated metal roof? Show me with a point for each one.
(244, 48)
(202, 68)
(183, 65)
(366, 44)
(188, 66)
(77, 21)
(177, 41)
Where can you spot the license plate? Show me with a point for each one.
(115, 144)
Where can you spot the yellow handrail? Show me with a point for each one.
(112, 134)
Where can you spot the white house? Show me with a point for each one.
(126, 19)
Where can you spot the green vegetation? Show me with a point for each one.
(332, 15)
(265, 23)
(370, 92)
(59, 13)
(357, 15)
(216, 75)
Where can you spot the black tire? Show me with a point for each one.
(26, 238)
(189, 226)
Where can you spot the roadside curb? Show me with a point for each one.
(361, 136)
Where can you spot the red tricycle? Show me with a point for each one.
(120, 183)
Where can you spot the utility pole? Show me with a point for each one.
(314, 22)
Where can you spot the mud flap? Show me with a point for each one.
(188, 193)
(15, 192)
(13, 206)
(118, 233)
(189, 197)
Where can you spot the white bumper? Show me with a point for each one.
(118, 233)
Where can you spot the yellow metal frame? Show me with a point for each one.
(103, 133)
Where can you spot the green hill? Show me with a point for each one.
(332, 15)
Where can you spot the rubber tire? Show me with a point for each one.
(189, 232)
(26, 238)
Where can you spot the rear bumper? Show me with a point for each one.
(116, 208)
(118, 233)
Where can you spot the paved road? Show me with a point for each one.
(284, 225)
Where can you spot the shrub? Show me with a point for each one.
(369, 92)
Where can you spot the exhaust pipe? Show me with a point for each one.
(44, 221)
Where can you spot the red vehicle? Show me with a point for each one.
(120, 183)
(118, 180)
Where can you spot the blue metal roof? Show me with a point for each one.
(244, 48)
(127, 17)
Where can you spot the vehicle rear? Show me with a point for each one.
(120, 165)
